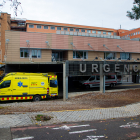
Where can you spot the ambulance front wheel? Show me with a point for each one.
(36, 98)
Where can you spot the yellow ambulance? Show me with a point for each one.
(23, 86)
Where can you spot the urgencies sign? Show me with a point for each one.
(106, 68)
(88, 68)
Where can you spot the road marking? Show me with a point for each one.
(131, 124)
(94, 137)
(24, 138)
(75, 132)
(65, 127)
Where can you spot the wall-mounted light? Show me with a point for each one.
(138, 59)
(90, 46)
(7, 41)
(28, 42)
(72, 44)
(120, 48)
(105, 46)
(95, 58)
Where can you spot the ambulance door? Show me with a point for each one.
(6, 88)
(20, 86)
(53, 86)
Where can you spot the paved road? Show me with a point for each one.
(112, 129)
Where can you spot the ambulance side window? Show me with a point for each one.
(5, 84)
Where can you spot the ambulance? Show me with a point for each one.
(23, 86)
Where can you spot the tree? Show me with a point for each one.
(14, 4)
(135, 14)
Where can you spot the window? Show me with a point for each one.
(77, 30)
(109, 33)
(125, 56)
(39, 26)
(99, 32)
(52, 28)
(71, 29)
(92, 78)
(45, 27)
(21, 23)
(134, 34)
(94, 32)
(104, 32)
(65, 29)
(24, 53)
(58, 28)
(80, 54)
(97, 77)
(53, 83)
(5, 84)
(108, 55)
(88, 31)
(110, 77)
(31, 26)
(36, 54)
(82, 30)
(138, 32)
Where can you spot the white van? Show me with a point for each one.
(94, 81)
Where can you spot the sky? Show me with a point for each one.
(99, 13)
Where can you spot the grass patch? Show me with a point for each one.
(42, 118)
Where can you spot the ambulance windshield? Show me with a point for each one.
(53, 83)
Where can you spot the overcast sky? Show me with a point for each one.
(100, 13)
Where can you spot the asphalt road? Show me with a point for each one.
(112, 129)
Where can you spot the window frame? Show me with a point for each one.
(125, 54)
(52, 27)
(58, 28)
(83, 30)
(71, 29)
(37, 26)
(30, 53)
(88, 31)
(104, 32)
(105, 55)
(37, 53)
(65, 28)
(85, 55)
(46, 26)
(76, 30)
(31, 25)
(93, 31)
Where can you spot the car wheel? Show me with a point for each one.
(111, 85)
(36, 98)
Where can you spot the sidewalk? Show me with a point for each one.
(28, 119)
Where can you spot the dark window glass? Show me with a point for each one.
(52, 28)
(92, 78)
(53, 83)
(77, 30)
(58, 28)
(71, 29)
(65, 29)
(82, 30)
(5, 84)
(39, 26)
(45, 27)
(21, 53)
(98, 78)
(31, 26)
